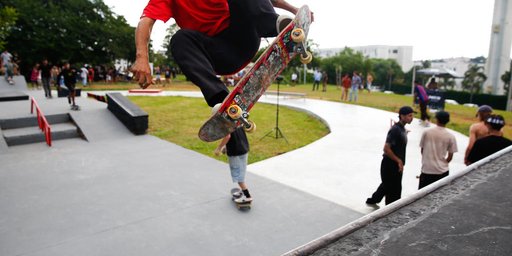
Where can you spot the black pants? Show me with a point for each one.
(202, 58)
(423, 109)
(391, 186)
(427, 179)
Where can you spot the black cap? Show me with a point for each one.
(484, 109)
(405, 110)
(496, 121)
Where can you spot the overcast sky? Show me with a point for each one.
(435, 28)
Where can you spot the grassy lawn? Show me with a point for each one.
(177, 119)
(169, 121)
(461, 117)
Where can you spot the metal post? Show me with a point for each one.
(509, 97)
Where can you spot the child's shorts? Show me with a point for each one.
(238, 167)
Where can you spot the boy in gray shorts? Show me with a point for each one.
(237, 156)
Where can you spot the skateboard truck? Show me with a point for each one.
(235, 112)
(298, 37)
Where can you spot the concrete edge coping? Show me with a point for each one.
(337, 234)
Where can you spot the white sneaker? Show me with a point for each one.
(282, 22)
(216, 108)
(243, 199)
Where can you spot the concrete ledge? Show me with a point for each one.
(133, 117)
(13, 96)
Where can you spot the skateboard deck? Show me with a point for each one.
(235, 194)
(102, 98)
(234, 110)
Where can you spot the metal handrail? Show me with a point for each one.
(41, 121)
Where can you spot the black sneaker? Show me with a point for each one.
(371, 201)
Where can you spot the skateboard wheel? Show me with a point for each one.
(298, 35)
(251, 127)
(306, 59)
(234, 111)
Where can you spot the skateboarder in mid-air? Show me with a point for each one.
(217, 37)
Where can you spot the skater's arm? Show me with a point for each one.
(389, 153)
(282, 4)
(218, 150)
(141, 69)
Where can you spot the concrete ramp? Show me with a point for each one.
(19, 84)
(15, 91)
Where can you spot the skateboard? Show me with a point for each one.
(75, 107)
(102, 98)
(235, 194)
(233, 112)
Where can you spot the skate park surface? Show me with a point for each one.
(115, 193)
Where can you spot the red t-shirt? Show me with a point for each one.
(206, 16)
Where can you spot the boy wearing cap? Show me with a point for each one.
(490, 144)
(393, 160)
(437, 148)
(478, 130)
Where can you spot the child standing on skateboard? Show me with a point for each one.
(237, 149)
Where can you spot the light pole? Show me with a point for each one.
(509, 97)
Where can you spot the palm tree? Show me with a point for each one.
(474, 78)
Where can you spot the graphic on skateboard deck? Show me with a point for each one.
(237, 193)
(234, 110)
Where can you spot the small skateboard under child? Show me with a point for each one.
(237, 193)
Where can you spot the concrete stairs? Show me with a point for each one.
(25, 130)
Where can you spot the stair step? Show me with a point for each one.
(33, 134)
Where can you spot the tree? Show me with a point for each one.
(8, 17)
(506, 81)
(171, 31)
(78, 31)
(474, 77)
(347, 61)
(387, 72)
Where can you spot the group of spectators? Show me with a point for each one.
(437, 149)
(354, 84)
(168, 72)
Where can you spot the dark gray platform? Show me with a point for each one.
(12, 96)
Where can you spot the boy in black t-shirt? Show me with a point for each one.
(237, 149)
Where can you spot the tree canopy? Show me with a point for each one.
(78, 31)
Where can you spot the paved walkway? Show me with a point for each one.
(119, 194)
(344, 166)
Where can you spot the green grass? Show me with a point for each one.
(177, 119)
(461, 117)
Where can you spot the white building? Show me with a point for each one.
(402, 54)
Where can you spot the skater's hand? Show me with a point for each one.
(400, 165)
(142, 73)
